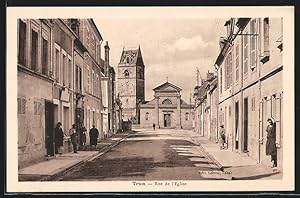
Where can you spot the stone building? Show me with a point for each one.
(88, 69)
(206, 107)
(45, 85)
(131, 83)
(250, 84)
(167, 109)
(59, 80)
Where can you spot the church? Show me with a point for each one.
(167, 109)
(131, 83)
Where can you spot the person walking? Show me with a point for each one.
(83, 136)
(153, 126)
(223, 137)
(74, 138)
(58, 138)
(94, 133)
(271, 141)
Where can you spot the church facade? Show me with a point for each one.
(131, 83)
(167, 109)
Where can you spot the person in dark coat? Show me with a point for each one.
(94, 133)
(153, 126)
(223, 137)
(74, 138)
(271, 141)
(58, 137)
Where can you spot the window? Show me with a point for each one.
(87, 37)
(93, 45)
(266, 34)
(70, 72)
(221, 80)
(21, 106)
(97, 85)
(64, 69)
(228, 70)
(167, 101)
(76, 77)
(246, 51)
(57, 60)
(45, 56)
(22, 43)
(88, 78)
(93, 83)
(126, 73)
(253, 44)
(187, 116)
(34, 50)
(253, 103)
(80, 79)
(37, 108)
(147, 116)
(237, 62)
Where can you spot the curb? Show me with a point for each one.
(208, 155)
(57, 176)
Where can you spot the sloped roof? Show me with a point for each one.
(130, 55)
(166, 87)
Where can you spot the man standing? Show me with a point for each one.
(94, 133)
(74, 138)
(153, 127)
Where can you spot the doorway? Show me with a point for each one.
(245, 148)
(237, 125)
(49, 123)
(167, 120)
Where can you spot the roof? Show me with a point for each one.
(165, 86)
(130, 55)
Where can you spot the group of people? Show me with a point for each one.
(74, 135)
(271, 145)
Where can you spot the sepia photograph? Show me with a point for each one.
(154, 98)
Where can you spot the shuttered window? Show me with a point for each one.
(246, 54)
(37, 108)
(253, 44)
(237, 62)
(22, 42)
(21, 106)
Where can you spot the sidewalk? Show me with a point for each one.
(240, 167)
(55, 166)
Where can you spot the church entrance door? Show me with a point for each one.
(167, 120)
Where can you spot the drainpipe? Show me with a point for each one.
(242, 102)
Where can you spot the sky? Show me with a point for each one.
(171, 47)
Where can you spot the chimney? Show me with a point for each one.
(106, 59)
(209, 76)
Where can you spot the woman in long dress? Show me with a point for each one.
(271, 141)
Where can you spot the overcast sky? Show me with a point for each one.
(170, 48)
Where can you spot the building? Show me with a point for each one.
(89, 68)
(206, 107)
(59, 80)
(45, 85)
(108, 95)
(131, 83)
(167, 109)
(250, 84)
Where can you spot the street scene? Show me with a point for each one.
(185, 99)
